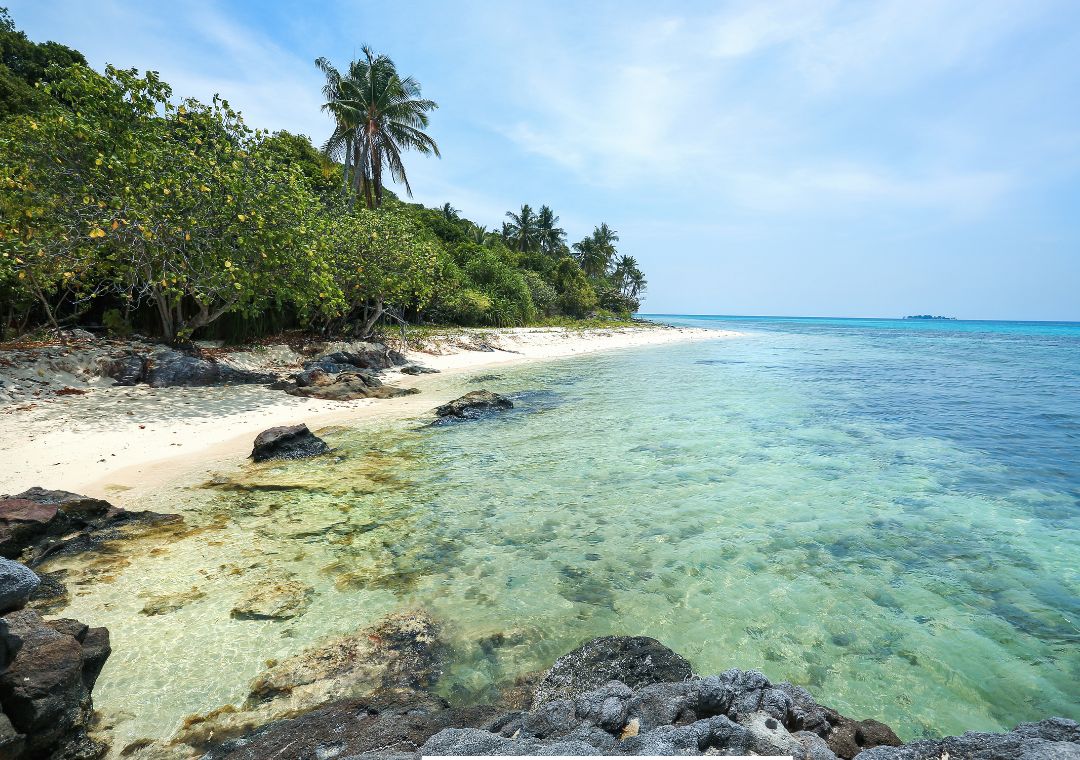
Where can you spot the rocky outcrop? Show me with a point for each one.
(17, 584)
(47, 671)
(473, 404)
(1050, 739)
(394, 722)
(418, 369)
(166, 368)
(290, 442)
(361, 355)
(402, 652)
(39, 523)
(632, 660)
(343, 386)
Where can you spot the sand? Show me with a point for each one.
(119, 442)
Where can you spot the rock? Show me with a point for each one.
(474, 404)
(344, 386)
(363, 355)
(128, 369)
(293, 442)
(162, 604)
(1050, 739)
(394, 722)
(45, 690)
(17, 583)
(166, 368)
(418, 369)
(848, 738)
(633, 660)
(403, 651)
(274, 600)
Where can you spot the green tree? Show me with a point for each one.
(577, 298)
(522, 232)
(596, 252)
(25, 64)
(552, 238)
(378, 114)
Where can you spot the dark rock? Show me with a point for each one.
(474, 404)
(389, 723)
(128, 369)
(45, 688)
(167, 368)
(292, 442)
(344, 386)
(419, 369)
(365, 356)
(848, 738)
(17, 584)
(38, 524)
(633, 660)
(1050, 739)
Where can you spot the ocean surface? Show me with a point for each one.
(886, 512)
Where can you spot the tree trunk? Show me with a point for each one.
(372, 316)
(165, 313)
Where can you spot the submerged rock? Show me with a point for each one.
(343, 386)
(47, 671)
(162, 604)
(633, 660)
(403, 651)
(474, 404)
(291, 442)
(17, 584)
(274, 600)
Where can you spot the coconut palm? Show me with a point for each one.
(624, 268)
(377, 115)
(552, 238)
(450, 213)
(477, 233)
(595, 252)
(522, 232)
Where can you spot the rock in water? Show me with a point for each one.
(1050, 739)
(292, 442)
(17, 583)
(51, 667)
(275, 600)
(633, 660)
(474, 404)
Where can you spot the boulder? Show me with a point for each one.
(166, 368)
(363, 355)
(632, 660)
(17, 584)
(474, 404)
(393, 722)
(401, 652)
(343, 386)
(45, 690)
(1050, 739)
(127, 369)
(291, 442)
(418, 369)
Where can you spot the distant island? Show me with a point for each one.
(927, 316)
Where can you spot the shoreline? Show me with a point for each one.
(117, 443)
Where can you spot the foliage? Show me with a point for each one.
(576, 295)
(24, 64)
(377, 114)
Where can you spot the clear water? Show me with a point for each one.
(887, 512)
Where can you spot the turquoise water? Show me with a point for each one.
(886, 512)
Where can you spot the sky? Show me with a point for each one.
(812, 157)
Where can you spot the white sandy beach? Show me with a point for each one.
(118, 442)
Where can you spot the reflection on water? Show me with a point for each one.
(904, 545)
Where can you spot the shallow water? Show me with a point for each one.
(885, 512)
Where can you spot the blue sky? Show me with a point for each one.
(810, 157)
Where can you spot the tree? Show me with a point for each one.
(595, 252)
(522, 232)
(24, 65)
(552, 238)
(577, 297)
(377, 115)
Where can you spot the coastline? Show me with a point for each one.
(118, 443)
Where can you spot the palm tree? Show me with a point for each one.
(522, 232)
(595, 252)
(450, 213)
(377, 115)
(552, 238)
(637, 283)
(477, 233)
(624, 268)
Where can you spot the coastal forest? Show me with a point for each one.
(133, 209)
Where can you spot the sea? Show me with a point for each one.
(886, 512)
